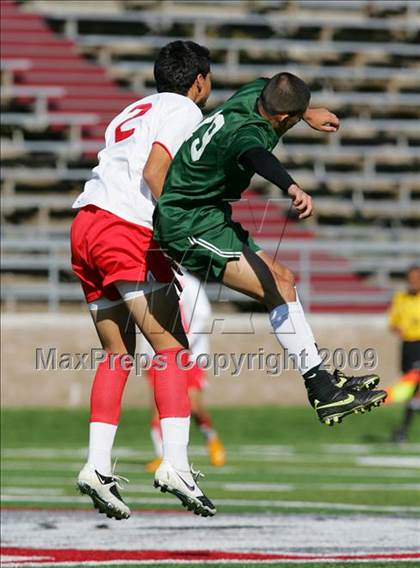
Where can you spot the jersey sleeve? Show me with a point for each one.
(247, 137)
(176, 125)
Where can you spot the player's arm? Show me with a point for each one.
(156, 168)
(262, 162)
(177, 121)
(394, 319)
(321, 119)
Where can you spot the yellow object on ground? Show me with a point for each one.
(217, 452)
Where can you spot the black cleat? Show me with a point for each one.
(346, 402)
(368, 382)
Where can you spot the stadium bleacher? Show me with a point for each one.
(68, 67)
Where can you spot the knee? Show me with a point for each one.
(291, 277)
(285, 275)
(284, 289)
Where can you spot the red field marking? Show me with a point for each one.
(64, 556)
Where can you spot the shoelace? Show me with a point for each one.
(118, 479)
(196, 474)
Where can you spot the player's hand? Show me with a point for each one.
(302, 202)
(321, 119)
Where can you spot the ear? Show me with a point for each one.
(199, 82)
(281, 116)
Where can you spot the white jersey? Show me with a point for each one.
(117, 184)
(195, 312)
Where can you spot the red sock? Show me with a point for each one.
(107, 390)
(170, 383)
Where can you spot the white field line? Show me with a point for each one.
(281, 487)
(256, 486)
(124, 452)
(404, 448)
(389, 461)
(30, 490)
(244, 450)
(265, 504)
(22, 482)
(70, 469)
(292, 534)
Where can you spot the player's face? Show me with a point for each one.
(413, 279)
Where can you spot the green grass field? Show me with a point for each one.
(280, 460)
(282, 451)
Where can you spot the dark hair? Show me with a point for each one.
(285, 93)
(178, 64)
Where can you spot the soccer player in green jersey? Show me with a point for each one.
(193, 223)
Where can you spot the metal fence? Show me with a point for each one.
(49, 260)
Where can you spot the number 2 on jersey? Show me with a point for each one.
(216, 123)
(124, 134)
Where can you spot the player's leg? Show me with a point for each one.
(117, 336)
(154, 307)
(155, 429)
(202, 418)
(253, 274)
(408, 387)
(411, 408)
(368, 382)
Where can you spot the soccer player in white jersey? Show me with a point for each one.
(195, 313)
(127, 280)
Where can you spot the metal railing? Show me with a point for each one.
(304, 257)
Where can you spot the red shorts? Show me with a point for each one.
(106, 248)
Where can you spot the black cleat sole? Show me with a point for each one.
(337, 417)
(189, 503)
(102, 506)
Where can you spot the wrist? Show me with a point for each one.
(292, 187)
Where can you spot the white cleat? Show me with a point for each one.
(183, 484)
(103, 490)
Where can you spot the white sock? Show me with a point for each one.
(309, 329)
(294, 334)
(101, 440)
(156, 436)
(175, 437)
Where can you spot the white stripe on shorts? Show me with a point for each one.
(213, 248)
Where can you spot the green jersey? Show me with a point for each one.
(205, 173)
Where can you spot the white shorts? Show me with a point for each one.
(128, 291)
